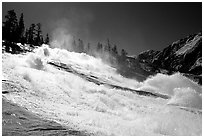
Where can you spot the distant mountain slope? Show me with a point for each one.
(184, 55)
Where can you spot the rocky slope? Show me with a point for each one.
(184, 56)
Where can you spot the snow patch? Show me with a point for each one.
(189, 46)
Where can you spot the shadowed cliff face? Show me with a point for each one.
(184, 55)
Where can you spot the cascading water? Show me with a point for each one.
(71, 100)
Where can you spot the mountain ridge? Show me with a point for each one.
(184, 56)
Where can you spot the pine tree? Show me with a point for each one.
(114, 51)
(21, 29)
(88, 48)
(47, 40)
(10, 27)
(123, 56)
(38, 39)
(42, 40)
(74, 46)
(99, 47)
(80, 46)
(107, 47)
(31, 34)
(123, 53)
(26, 35)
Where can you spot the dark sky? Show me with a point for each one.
(133, 26)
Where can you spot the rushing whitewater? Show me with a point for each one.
(67, 98)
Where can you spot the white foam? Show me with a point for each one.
(186, 97)
(183, 91)
(72, 101)
(167, 83)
